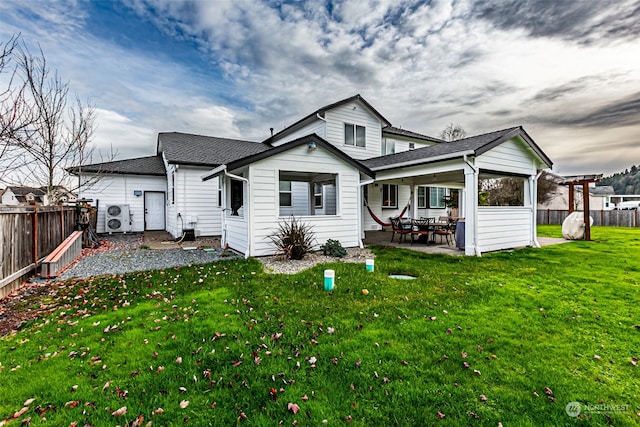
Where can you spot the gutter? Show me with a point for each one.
(425, 160)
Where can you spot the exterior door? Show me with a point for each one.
(154, 210)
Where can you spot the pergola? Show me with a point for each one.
(584, 181)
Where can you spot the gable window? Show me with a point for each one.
(317, 194)
(436, 197)
(422, 197)
(285, 193)
(389, 196)
(354, 135)
(388, 146)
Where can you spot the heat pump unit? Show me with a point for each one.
(117, 219)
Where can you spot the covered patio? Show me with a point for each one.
(383, 238)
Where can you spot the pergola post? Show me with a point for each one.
(584, 181)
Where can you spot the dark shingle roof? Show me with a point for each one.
(23, 191)
(152, 165)
(321, 111)
(475, 144)
(187, 149)
(407, 133)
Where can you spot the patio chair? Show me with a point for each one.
(421, 227)
(398, 227)
(448, 230)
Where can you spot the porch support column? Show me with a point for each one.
(532, 200)
(471, 210)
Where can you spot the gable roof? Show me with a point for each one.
(199, 150)
(475, 146)
(305, 140)
(321, 111)
(152, 165)
(23, 191)
(392, 130)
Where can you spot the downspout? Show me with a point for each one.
(359, 210)
(475, 208)
(325, 124)
(534, 210)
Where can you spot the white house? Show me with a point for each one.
(323, 169)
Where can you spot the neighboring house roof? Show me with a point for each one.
(321, 111)
(305, 140)
(392, 130)
(475, 146)
(152, 165)
(187, 149)
(23, 191)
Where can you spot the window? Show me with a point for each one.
(317, 193)
(436, 197)
(388, 146)
(412, 145)
(422, 197)
(389, 196)
(354, 135)
(236, 197)
(285, 193)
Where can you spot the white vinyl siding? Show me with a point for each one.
(401, 144)
(118, 190)
(196, 201)
(317, 127)
(264, 199)
(336, 119)
(502, 227)
(511, 156)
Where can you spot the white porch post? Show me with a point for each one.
(471, 210)
(533, 199)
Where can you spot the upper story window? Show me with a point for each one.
(412, 145)
(388, 146)
(354, 135)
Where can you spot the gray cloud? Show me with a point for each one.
(585, 22)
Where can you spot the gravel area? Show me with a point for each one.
(120, 254)
(277, 265)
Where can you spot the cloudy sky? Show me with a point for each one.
(568, 71)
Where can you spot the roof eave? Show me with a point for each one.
(425, 160)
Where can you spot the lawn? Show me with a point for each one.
(511, 338)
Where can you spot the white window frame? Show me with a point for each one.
(317, 195)
(391, 188)
(422, 204)
(282, 192)
(352, 130)
(440, 193)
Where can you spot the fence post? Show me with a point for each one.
(34, 225)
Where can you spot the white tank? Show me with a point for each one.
(573, 226)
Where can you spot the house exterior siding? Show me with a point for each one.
(501, 227)
(196, 202)
(510, 156)
(354, 113)
(118, 190)
(264, 199)
(317, 127)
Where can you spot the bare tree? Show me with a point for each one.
(61, 134)
(453, 132)
(16, 112)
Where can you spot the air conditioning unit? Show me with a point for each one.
(117, 219)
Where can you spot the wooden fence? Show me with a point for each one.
(626, 218)
(27, 235)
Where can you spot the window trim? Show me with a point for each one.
(389, 187)
(316, 195)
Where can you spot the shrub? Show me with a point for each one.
(333, 248)
(293, 239)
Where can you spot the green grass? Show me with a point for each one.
(529, 321)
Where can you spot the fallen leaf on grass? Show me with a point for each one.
(158, 411)
(119, 412)
(548, 391)
(184, 404)
(106, 385)
(28, 402)
(477, 372)
(464, 355)
(441, 415)
(19, 413)
(293, 407)
(595, 356)
(483, 397)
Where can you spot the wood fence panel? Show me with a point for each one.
(626, 218)
(18, 226)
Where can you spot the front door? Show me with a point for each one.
(154, 210)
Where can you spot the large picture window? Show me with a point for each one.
(307, 193)
(354, 135)
(436, 197)
(389, 196)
